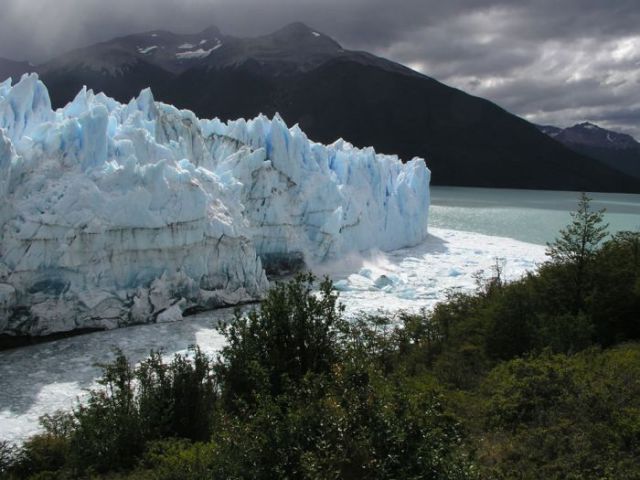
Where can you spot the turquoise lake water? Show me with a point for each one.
(528, 215)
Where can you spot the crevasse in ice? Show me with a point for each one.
(116, 214)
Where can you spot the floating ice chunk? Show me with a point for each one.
(407, 294)
(454, 272)
(365, 272)
(383, 281)
(342, 285)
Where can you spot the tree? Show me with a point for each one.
(294, 332)
(614, 303)
(577, 245)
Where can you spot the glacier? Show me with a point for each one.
(117, 214)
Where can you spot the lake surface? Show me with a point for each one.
(533, 216)
(470, 228)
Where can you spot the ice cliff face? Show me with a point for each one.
(115, 214)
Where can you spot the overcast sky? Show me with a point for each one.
(552, 61)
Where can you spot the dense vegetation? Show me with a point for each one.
(538, 378)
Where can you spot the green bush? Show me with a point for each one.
(558, 416)
(176, 399)
(134, 406)
(178, 459)
(308, 397)
(44, 455)
(614, 302)
(355, 424)
(295, 332)
(109, 431)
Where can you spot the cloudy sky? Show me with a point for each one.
(551, 61)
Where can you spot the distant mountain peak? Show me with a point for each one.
(211, 30)
(597, 135)
(618, 150)
(295, 27)
(588, 125)
(550, 130)
(591, 133)
(303, 34)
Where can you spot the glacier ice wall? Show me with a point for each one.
(116, 214)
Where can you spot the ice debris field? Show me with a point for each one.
(115, 214)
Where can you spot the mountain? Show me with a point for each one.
(617, 150)
(333, 92)
(13, 69)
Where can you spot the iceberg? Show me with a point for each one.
(116, 214)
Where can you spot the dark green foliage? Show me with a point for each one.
(578, 242)
(575, 249)
(42, 456)
(615, 299)
(178, 459)
(351, 425)
(293, 334)
(310, 398)
(109, 431)
(176, 399)
(558, 417)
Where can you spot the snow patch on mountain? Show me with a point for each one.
(199, 53)
(145, 50)
(114, 214)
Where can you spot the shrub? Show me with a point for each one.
(178, 459)
(176, 399)
(295, 332)
(558, 416)
(109, 432)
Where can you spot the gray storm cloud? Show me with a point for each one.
(551, 61)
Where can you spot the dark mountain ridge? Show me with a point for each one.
(13, 69)
(617, 150)
(332, 92)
